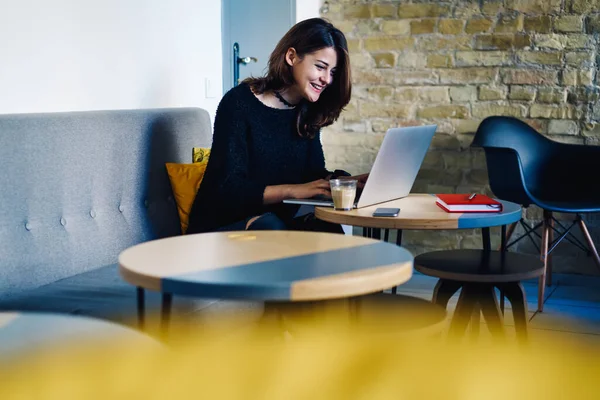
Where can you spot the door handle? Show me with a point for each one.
(246, 60)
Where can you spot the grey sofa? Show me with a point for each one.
(78, 188)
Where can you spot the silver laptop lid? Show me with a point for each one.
(397, 164)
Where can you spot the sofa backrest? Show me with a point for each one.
(77, 188)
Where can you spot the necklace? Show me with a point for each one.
(284, 101)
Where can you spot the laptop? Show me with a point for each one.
(395, 168)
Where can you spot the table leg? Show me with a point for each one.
(140, 307)
(491, 310)
(516, 295)
(386, 235)
(376, 233)
(485, 235)
(398, 243)
(443, 291)
(167, 301)
(475, 322)
(462, 314)
(502, 249)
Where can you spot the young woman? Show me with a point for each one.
(266, 144)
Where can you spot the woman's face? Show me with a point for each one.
(312, 73)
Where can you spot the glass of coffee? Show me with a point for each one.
(343, 192)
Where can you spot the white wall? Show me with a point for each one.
(306, 9)
(66, 55)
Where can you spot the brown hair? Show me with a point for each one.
(307, 37)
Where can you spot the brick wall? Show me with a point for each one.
(454, 63)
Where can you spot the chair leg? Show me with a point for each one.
(544, 257)
(590, 243)
(549, 256)
(491, 310)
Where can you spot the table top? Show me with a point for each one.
(266, 265)
(29, 331)
(419, 211)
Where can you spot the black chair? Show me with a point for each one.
(527, 168)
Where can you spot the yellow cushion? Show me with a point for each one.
(185, 181)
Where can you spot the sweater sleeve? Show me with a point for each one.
(316, 160)
(242, 196)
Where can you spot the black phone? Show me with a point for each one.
(386, 212)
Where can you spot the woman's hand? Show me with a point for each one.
(362, 179)
(277, 193)
(310, 189)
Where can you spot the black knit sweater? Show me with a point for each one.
(254, 146)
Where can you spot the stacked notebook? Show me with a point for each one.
(467, 203)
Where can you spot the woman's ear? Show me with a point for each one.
(291, 56)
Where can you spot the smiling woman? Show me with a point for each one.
(266, 143)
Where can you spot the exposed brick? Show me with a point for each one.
(451, 26)
(593, 24)
(576, 77)
(551, 95)
(380, 93)
(412, 60)
(369, 110)
(466, 125)
(396, 27)
(534, 6)
(467, 75)
(551, 41)
(423, 10)
(434, 95)
(383, 11)
(483, 110)
(366, 27)
(466, 9)
(568, 23)
(580, 41)
(355, 126)
(529, 77)
(540, 125)
(521, 93)
(416, 78)
(591, 130)
(439, 61)
(345, 26)
(361, 60)
(408, 95)
(429, 43)
(353, 45)
(482, 58)
(509, 23)
(538, 57)
(383, 43)
(562, 127)
(478, 25)
(583, 94)
(554, 111)
(492, 93)
(384, 60)
(422, 26)
(502, 41)
(581, 59)
(463, 94)
(538, 24)
(357, 11)
(446, 111)
(583, 6)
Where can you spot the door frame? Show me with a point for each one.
(226, 48)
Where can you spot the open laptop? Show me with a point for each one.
(394, 170)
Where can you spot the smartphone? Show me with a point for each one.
(386, 212)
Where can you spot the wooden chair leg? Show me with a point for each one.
(443, 292)
(549, 256)
(515, 293)
(590, 243)
(544, 257)
(491, 310)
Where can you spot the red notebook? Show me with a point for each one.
(461, 203)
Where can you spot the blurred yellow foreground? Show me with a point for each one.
(336, 360)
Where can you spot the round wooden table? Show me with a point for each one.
(269, 266)
(419, 211)
(22, 333)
